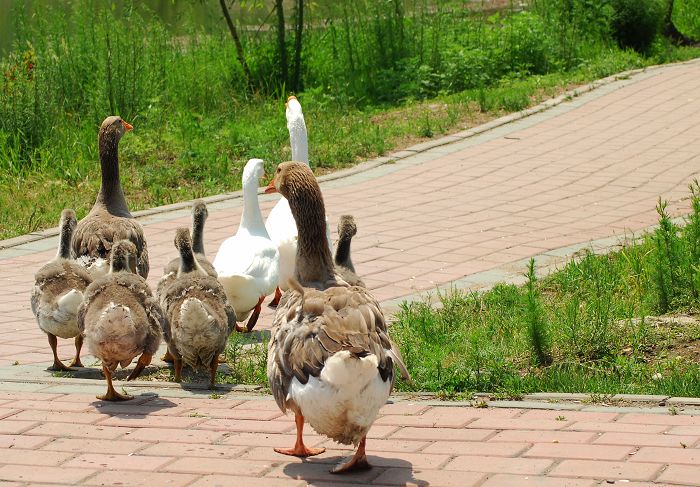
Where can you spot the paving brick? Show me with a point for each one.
(126, 477)
(568, 415)
(617, 427)
(194, 450)
(507, 424)
(16, 427)
(236, 413)
(58, 475)
(476, 463)
(271, 440)
(533, 436)
(57, 417)
(652, 454)
(55, 406)
(245, 425)
(255, 405)
(582, 452)
(231, 480)
(455, 434)
(33, 457)
(76, 430)
(403, 408)
(596, 469)
(645, 419)
(684, 430)
(641, 439)
(311, 471)
(141, 421)
(174, 435)
(375, 445)
(507, 480)
(19, 441)
(477, 448)
(681, 474)
(87, 445)
(421, 478)
(201, 465)
(112, 461)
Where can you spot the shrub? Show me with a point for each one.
(637, 22)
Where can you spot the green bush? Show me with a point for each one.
(686, 17)
(636, 23)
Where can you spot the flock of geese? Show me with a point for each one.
(330, 361)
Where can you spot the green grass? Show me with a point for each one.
(592, 317)
(374, 82)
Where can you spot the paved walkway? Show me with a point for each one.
(467, 212)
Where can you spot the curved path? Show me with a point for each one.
(464, 211)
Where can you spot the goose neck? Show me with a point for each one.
(111, 194)
(251, 220)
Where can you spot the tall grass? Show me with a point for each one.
(599, 339)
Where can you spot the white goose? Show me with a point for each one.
(280, 223)
(248, 262)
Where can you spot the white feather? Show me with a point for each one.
(96, 266)
(343, 402)
(115, 335)
(248, 262)
(60, 319)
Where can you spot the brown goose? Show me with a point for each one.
(198, 316)
(343, 263)
(120, 318)
(109, 219)
(199, 217)
(57, 293)
(330, 358)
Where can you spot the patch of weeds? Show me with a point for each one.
(214, 395)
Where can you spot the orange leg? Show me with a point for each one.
(168, 357)
(276, 300)
(300, 450)
(78, 346)
(356, 463)
(212, 372)
(253, 318)
(112, 395)
(57, 364)
(144, 360)
(177, 365)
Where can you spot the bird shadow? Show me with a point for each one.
(317, 469)
(140, 406)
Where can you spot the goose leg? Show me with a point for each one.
(276, 300)
(78, 346)
(144, 360)
(253, 318)
(212, 372)
(177, 364)
(356, 463)
(57, 364)
(300, 450)
(112, 395)
(168, 357)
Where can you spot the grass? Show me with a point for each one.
(415, 75)
(596, 321)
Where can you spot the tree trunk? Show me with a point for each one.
(281, 45)
(237, 42)
(296, 82)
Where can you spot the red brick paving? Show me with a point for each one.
(582, 173)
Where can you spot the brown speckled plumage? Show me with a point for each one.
(109, 220)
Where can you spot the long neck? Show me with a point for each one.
(314, 262)
(342, 252)
(64, 242)
(299, 141)
(251, 220)
(187, 260)
(198, 233)
(111, 194)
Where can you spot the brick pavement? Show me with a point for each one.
(589, 168)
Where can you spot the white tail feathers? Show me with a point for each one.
(198, 336)
(67, 306)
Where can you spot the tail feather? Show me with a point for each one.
(200, 336)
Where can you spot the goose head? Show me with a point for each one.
(68, 221)
(289, 178)
(346, 227)
(113, 128)
(123, 257)
(253, 171)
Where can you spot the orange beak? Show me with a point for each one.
(271, 187)
(127, 125)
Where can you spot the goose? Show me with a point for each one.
(109, 219)
(198, 316)
(57, 293)
(280, 223)
(343, 263)
(247, 263)
(120, 318)
(199, 218)
(330, 358)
